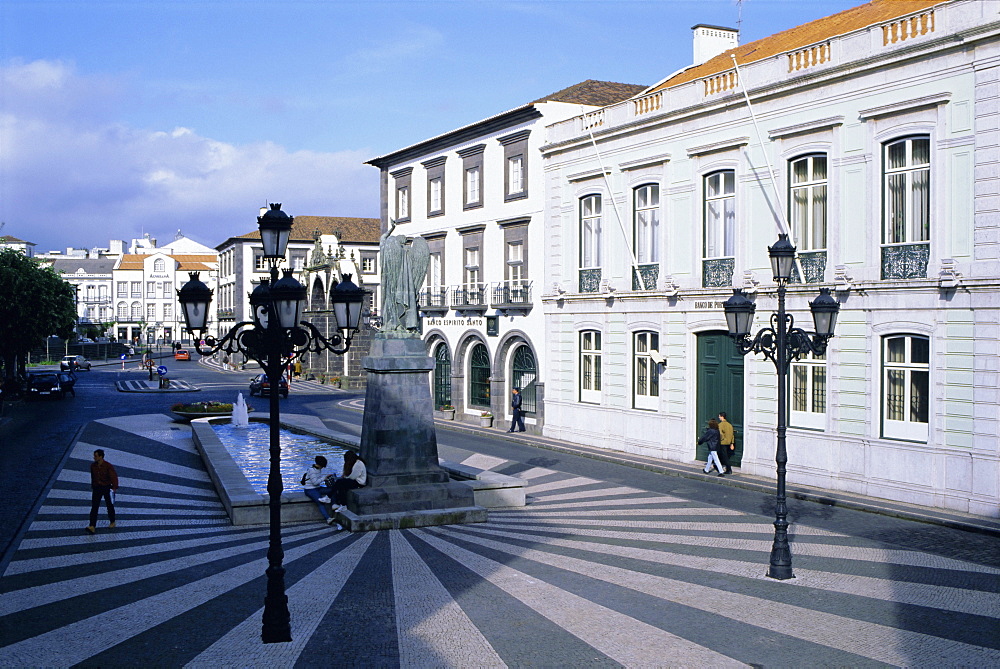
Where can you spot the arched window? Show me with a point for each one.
(136, 311)
(479, 377)
(158, 265)
(645, 370)
(905, 387)
(590, 366)
(523, 375)
(442, 376)
(317, 303)
(122, 311)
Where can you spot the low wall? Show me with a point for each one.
(246, 506)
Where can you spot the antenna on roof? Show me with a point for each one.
(739, 15)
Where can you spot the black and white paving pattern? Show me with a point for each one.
(590, 573)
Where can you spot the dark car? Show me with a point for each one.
(50, 384)
(74, 362)
(260, 385)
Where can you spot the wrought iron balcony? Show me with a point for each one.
(717, 272)
(906, 261)
(434, 299)
(469, 297)
(645, 277)
(511, 295)
(813, 266)
(590, 280)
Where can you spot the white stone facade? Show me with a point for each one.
(923, 86)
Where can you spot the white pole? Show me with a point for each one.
(607, 182)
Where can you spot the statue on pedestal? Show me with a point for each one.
(403, 270)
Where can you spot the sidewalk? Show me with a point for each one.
(924, 514)
(590, 573)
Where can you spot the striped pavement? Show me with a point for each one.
(589, 573)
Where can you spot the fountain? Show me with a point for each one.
(240, 413)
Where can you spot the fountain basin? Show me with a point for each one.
(247, 506)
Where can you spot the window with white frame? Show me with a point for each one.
(260, 262)
(136, 311)
(907, 166)
(403, 202)
(590, 366)
(808, 392)
(515, 263)
(136, 288)
(905, 387)
(472, 185)
(158, 265)
(646, 223)
(151, 312)
(435, 275)
(645, 370)
(808, 202)
(472, 268)
(168, 311)
(151, 288)
(515, 174)
(167, 289)
(590, 232)
(122, 288)
(435, 195)
(720, 214)
(368, 264)
(122, 311)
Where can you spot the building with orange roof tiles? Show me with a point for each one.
(873, 143)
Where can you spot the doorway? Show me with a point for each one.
(720, 388)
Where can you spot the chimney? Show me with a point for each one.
(710, 41)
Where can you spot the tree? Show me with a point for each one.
(37, 303)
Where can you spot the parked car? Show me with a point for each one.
(84, 340)
(49, 384)
(259, 385)
(73, 362)
(182, 354)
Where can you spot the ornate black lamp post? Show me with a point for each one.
(781, 344)
(275, 334)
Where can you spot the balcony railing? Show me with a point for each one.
(813, 266)
(717, 272)
(645, 277)
(906, 261)
(468, 297)
(590, 280)
(434, 299)
(511, 295)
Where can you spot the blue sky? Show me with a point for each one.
(119, 118)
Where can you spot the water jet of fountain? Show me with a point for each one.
(240, 413)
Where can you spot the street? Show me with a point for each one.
(607, 565)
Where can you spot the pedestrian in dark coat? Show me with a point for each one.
(711, 439)
(517, 420)
(103, 483)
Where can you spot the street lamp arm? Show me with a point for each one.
(798, 342)
(308, 339)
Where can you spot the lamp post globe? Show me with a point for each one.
(260, 303)
(782, 256)
(288, 298)
(347, 299)
(739, 313)
(275, 229)
(824, 311)
(195, 298)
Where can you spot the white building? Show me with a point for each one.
(881, 127)
(94, 283)
(145, 294)
(476, 195)
(12, 242)
(321, 250)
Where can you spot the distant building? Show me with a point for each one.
(476, 194)
(93, 280)
(11, 242)
(321, 249)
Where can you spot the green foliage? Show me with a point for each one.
(36, 303)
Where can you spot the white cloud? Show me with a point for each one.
(71, 174)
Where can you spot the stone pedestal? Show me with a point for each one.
(406, 485)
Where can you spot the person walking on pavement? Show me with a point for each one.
(711, 439)
(727, 441)
(517, 420)
(103, 484)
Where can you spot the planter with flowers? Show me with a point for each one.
(446, 411)
(486, 419)
(202, 410)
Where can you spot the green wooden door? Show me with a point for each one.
(720, 388)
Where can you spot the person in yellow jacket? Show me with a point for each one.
(727, 441)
